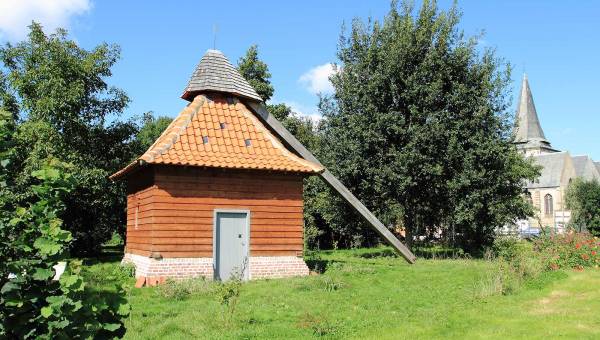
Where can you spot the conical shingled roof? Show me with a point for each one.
(221, 133)
(528, 128)
(215, 73)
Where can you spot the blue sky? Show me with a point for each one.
(556, 42)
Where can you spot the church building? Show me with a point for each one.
(559, 168)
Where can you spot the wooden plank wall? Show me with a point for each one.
(140, 191)
(181, 205)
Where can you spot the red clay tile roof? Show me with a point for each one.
(220, 133)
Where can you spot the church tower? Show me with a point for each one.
(529, 136)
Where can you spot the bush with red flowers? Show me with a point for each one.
(570, 250)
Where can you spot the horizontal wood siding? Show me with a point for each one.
(139, 203)
(183, 201)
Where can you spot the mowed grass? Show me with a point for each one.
(368, 293)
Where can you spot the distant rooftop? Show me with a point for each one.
(585, 167)
(553, 165)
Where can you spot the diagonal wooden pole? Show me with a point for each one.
(260, 109)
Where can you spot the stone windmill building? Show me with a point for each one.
(559, 168)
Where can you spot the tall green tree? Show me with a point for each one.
(583, 199)
(152, 128)
(419, 129)
(65, 109)
(256, 73)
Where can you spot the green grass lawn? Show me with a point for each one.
(370, 294)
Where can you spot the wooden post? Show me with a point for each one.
(292, 142)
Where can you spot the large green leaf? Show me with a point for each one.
(46, 311)
(111, 326)
(47, 246)
(42, 274)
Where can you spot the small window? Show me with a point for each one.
(548, 204)
(248, 142)
(205, 139)
(223, 125)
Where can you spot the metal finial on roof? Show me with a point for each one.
(215, 30)
(215, 73)
(528, 128)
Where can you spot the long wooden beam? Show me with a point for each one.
(275, 125)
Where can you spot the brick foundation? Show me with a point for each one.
(260, 267)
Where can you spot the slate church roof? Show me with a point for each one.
(585, 168)
(554, 165)
(218, 130)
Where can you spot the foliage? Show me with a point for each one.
(515, 265)
(520, 262)
(182, 289)
(419, 130)
(151, 129)
(65, 110)
(511, 248)
(256, 73)
(570, 250)
(583, 199)
(228, 295)
(32, 303)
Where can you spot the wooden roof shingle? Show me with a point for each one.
(215, 73)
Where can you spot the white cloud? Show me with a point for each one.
(310, 111)
(316, 79)
(16, 15)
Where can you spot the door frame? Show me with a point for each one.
(245, 251)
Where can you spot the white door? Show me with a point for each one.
(231, 244)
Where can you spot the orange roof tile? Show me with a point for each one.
(182, 142)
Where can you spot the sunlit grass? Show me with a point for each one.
(369, 293)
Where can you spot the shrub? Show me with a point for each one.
(570, 250)
(511, 248)
(520, 262)
(32, 303)
(516, 263)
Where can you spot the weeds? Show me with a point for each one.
(228, 294)
(515, 264)
(330, 284)
(127, 270)
(181, 289)
(319, 326)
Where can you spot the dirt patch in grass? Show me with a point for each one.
(548, 304)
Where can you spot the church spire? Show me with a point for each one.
(528, 131)
(528, 127)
